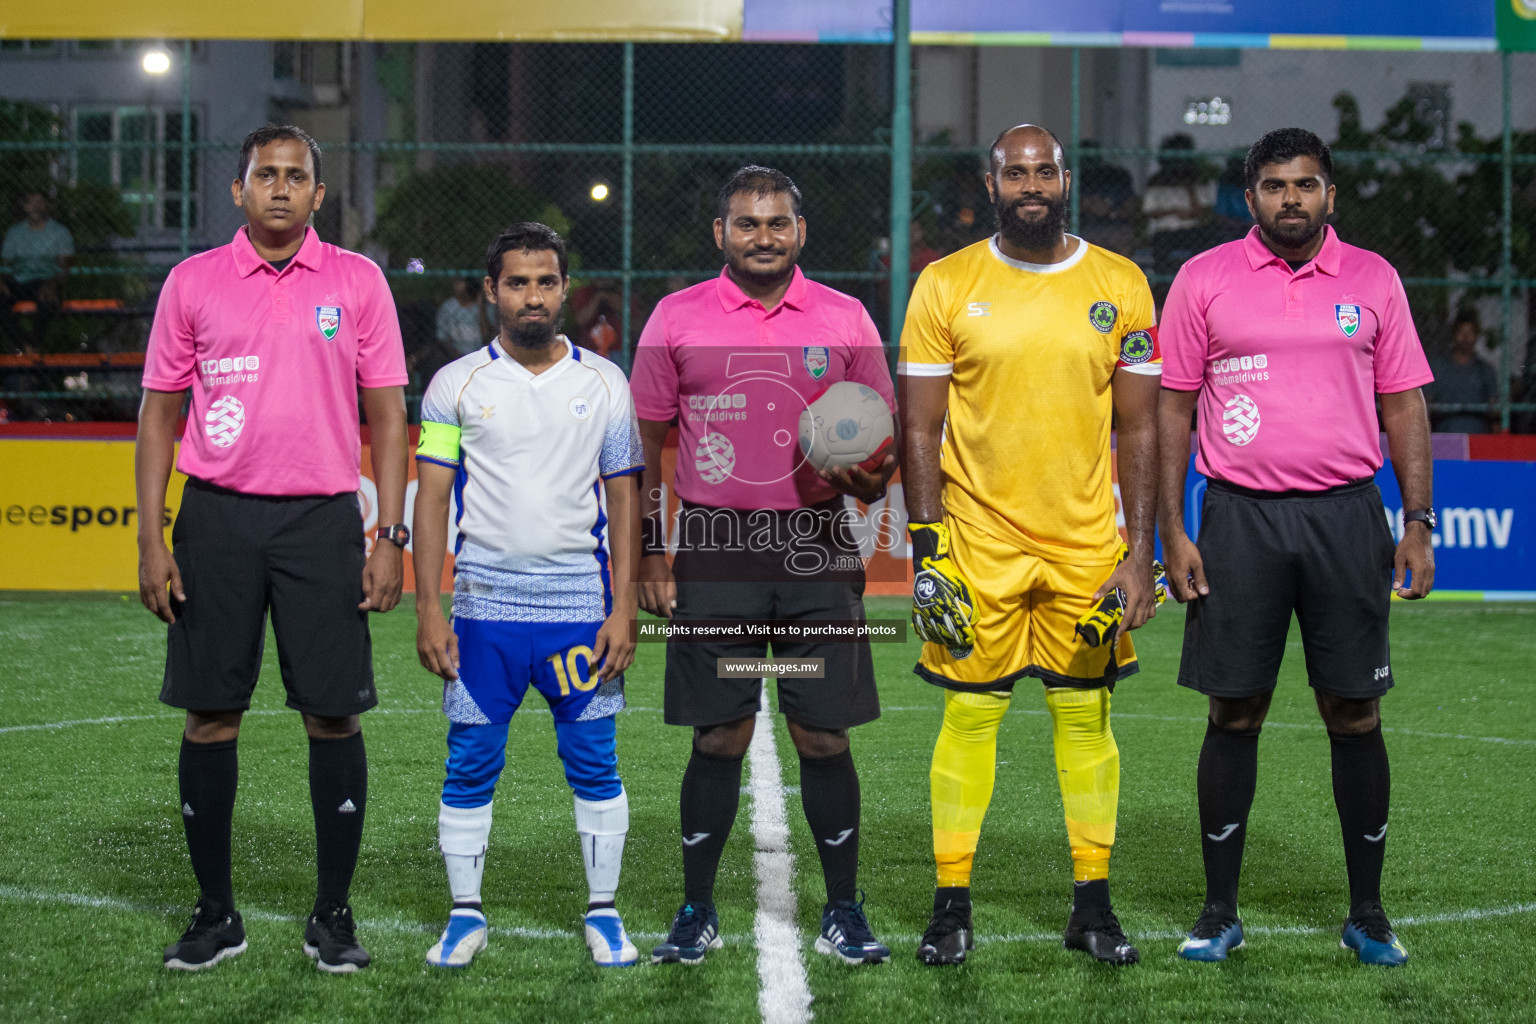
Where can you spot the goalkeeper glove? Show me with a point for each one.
(1101, 624)
(942, 609)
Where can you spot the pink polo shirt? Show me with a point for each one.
(274, 362)
(1288, 365)
(737, 377)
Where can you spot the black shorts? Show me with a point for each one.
(820, 580)
(1327, 557)
(243, 554)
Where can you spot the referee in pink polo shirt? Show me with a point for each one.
(763, 537)
(275, 335)
(1284, 341)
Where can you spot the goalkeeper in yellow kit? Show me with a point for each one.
(1016, 352)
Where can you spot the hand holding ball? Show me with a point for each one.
(847, 425)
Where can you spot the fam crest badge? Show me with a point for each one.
(1348, 318)
(328, 319)
(816, 360)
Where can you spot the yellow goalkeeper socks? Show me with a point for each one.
(964, 768)
(1088, 769)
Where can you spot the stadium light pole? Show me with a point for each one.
(627, 200)
(1506, 247)
(186, 148)
(1075, 140)
(901, 166)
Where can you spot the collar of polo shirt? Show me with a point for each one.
(733, 298)
(1261, 255)
(248, 261)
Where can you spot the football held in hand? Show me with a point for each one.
(848, 424)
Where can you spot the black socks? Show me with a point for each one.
(829, 792)
(338, 792)
(710, 796)
(1091, 895)
(208, 774)
(1228, 773)
(1362, 790)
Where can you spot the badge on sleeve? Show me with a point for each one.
(328, 319)
(1348, 318)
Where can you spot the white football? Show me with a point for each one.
(849, 424)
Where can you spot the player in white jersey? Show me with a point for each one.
(535, 437)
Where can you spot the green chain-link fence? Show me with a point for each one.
(429, 149)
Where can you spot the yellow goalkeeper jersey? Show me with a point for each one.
(1031, 350)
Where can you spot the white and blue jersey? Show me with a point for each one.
(531, 575)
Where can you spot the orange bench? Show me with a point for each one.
(76, 306)
(87, 360)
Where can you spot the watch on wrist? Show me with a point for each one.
(1421, 515)
(399, 535)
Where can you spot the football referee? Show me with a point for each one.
(734, 361)
(275, 335)
(1284, 341)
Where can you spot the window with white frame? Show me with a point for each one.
(137, 150)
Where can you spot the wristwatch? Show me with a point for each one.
(399, 535)
(1421, 515)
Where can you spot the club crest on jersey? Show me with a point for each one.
(816, 359)
(328, 319)
(1137, 348)
(1103, 316)
(1348, 318)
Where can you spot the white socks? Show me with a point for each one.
(602, 825)
(461, 835)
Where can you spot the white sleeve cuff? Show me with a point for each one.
(925, 369)
(1145, 369)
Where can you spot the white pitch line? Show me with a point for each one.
(111, 720)
(1308, 726)
(783, 995)
(17, 894)
(1409, 921)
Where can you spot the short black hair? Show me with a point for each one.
(525, 236)
(1467, 315)
(760, 181)
(992, 161)
(1282, 146)
(270, 132)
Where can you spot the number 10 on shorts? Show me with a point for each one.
(569, 671)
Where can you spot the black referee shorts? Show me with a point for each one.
(813, 577)
(1326, 557)
(241, 555)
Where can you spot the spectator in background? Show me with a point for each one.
(598, 307)
(35, 256)
(1179, 205)
(1232, 200)
(1108, 197)
(462, 323)
(1463, 379)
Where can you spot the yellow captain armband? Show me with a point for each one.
(439, 443)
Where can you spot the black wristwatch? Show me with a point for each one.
(1421, 515)
(399, 535)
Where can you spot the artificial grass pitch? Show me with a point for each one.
(97, 880)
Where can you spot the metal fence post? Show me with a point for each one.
(628, 201)
(1075, 139)
(901, 166)
(1506, 248)
(186, 143)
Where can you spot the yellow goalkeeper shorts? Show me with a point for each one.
(1026, 617)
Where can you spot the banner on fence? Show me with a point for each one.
(1410, 24)
(69, 520)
